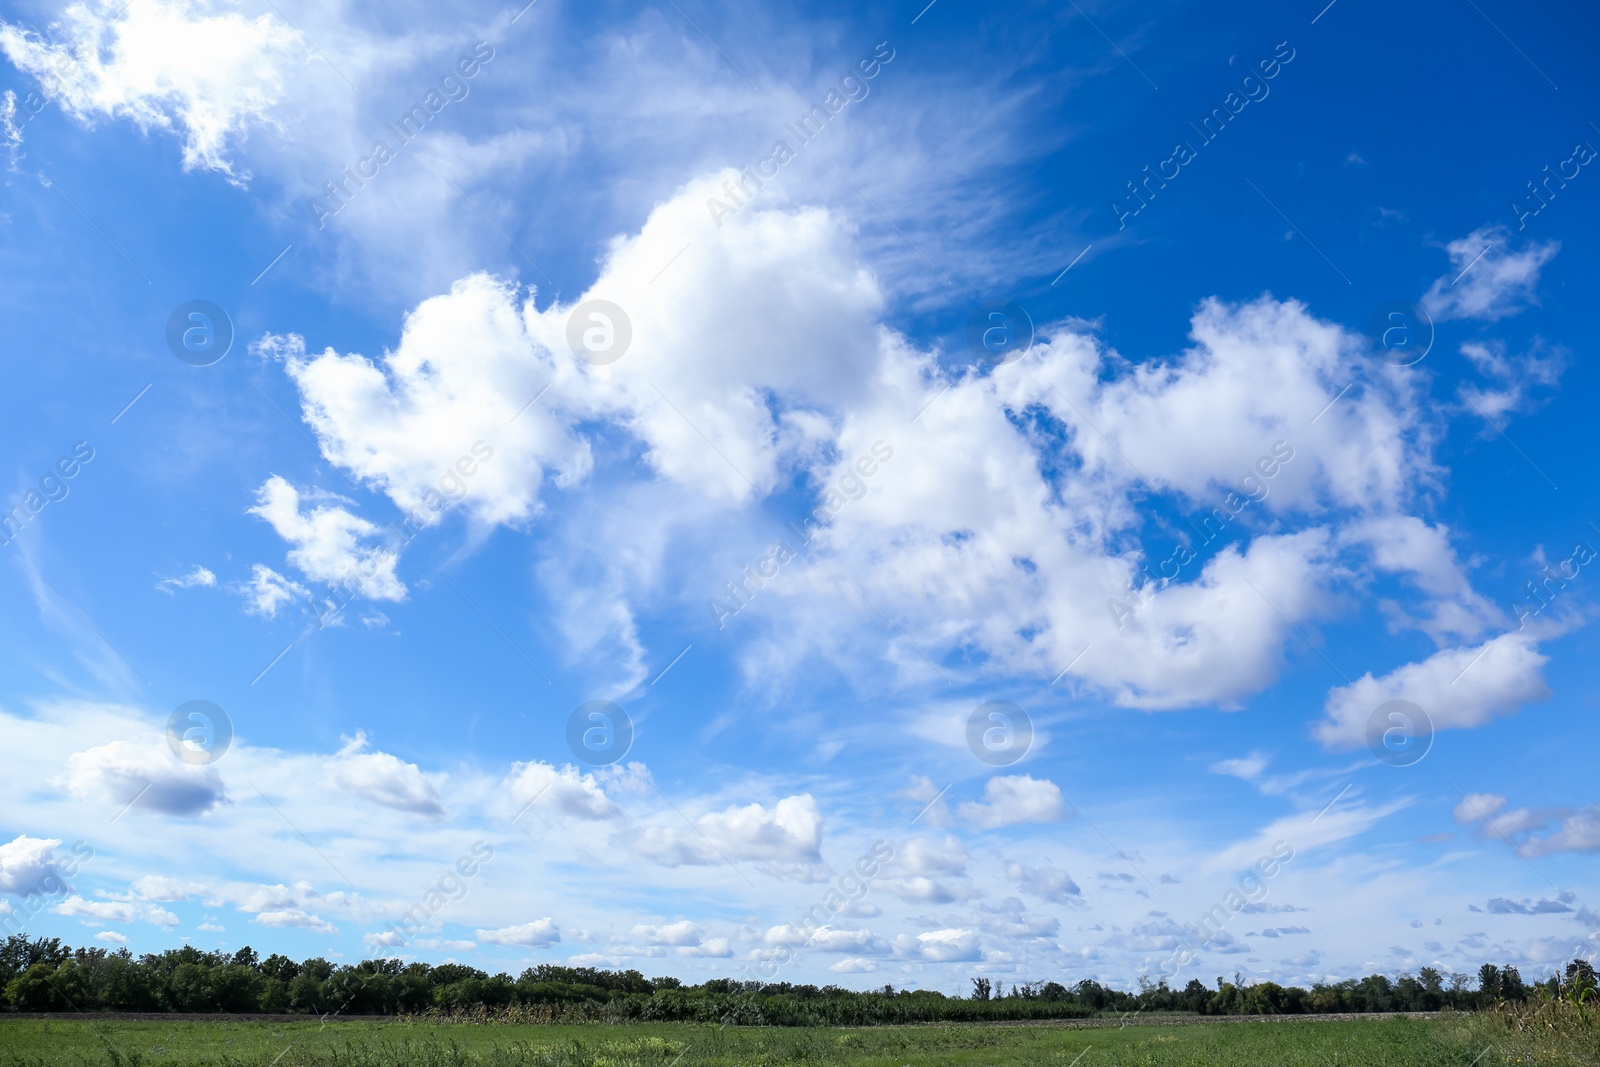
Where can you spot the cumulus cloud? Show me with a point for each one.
(1046, 882)
(536, 934)
(165, 65)
(384, 779)
(682, 932)
(267, 591)
(788, 832)
(940, 946)
(1488, 281)
(567, 792)
(143, 774)
(1458, 688)
(328, 542)
(859, 942)
(26, 863)
(296, 918)
(1010, 495)
(1013, 799)
(116, 911)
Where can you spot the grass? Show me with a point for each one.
(1485, 1041)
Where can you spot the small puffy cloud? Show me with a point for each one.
(1046, 882)
(923, 856)
(116, 911)
(160, 887)
(212, 928)
(719, 948)
(1458, 688)
(859, 942)
(327, 542)
(295, 917)
(199, 576)
(1013, 799)
(163, 64)
(567, 792)
(26, 863)
(105, 910)
(683, 932)
(111, 937)
(536, 934)
(785, 934)
(384, 779)
(854, 965)
(940, 946)
(444, 419)
(267, 591)
(788, 832)
(143, 773)
(1487, 280)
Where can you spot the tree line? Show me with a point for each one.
(43, 975)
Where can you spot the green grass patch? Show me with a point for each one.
(1395, 1042)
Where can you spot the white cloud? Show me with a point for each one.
(536, 934)
(789, 832)
(1499, 283)
(1458, 688)
(964, 540)
(297, 918)
(162, 888)
(854, 965)
(384, 779)
(683, 932)
(1012, 799)
(922, 856)
(116, 911)
(26, 863)
(860, 942)
(711, 948)
(327, 542)
(940, 946)
(1046, 882)
(199, 576)
(111, 937)
(567, 792)
(268, 590)
(142, 773)
(166, 65)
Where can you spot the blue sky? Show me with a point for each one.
(982, 528)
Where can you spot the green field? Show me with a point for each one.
(1401, 1042)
